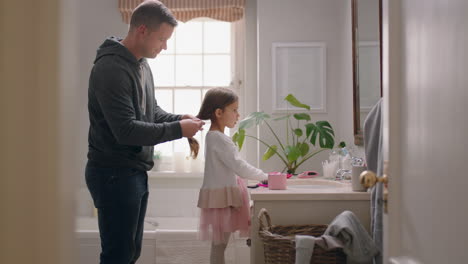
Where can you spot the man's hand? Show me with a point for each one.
(187, 116)
(191, 126)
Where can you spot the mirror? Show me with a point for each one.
(367, 57)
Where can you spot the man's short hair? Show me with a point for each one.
(152, 14)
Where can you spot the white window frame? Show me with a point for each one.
(237, 85)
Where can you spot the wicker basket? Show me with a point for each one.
(280, 246)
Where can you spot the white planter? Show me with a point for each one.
(157, 165)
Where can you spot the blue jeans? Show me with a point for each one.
(121, 197)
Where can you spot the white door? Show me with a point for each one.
(425, 81)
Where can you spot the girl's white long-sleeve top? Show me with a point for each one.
(222, 164)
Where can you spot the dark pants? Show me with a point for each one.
(121, 197)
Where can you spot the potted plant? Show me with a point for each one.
(301, 139)
(157, 155)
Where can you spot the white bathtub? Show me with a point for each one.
(172, 241)
(90, 244)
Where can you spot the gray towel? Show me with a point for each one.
(305, 246)
(357, 244)
(374, 158)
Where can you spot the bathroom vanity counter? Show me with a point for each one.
(306, 201)
(310, 189)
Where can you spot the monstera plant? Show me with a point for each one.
(304, 139)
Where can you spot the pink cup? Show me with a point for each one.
(277, 181)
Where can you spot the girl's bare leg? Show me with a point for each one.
(217, 250)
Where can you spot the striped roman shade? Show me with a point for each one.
(184, 10)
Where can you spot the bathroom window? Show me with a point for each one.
(200, 55)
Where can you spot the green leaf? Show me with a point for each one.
(304, 148)
(270, 152)
(293, 153)
(313, 138)
(281, 117)
(302, 116)
(324, 131)
(246, 123)
(309, 128)
(239, 138)
(293, 101)
(298, 132)
(254, 118)
(325, 126)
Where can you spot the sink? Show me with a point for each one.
(310, 186)
(314, 184)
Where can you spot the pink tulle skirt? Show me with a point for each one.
(215, 222)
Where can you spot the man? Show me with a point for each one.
(125, 124)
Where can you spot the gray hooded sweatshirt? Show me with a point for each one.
(123, 128)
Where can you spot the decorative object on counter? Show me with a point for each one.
(181, 162)
(330, 167)
(263, 183)
(344, 158)
(308, 174)
(340, 163)
(280, 246)
(277, 181)
(296, 148)
(346, 162)
(357, 162)
(355, 179)
(157, 160)
(343, 174)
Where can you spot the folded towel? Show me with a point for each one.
(305, 246)
(357, 244)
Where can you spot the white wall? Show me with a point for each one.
(97, 20)
(308, 21)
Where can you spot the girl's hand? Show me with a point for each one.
(263, 183)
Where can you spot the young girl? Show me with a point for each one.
(223, 199)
